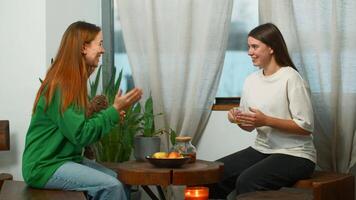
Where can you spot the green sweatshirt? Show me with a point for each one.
(54, 138)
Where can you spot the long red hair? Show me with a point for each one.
(69, 72)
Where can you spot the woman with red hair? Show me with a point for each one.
(59, 128)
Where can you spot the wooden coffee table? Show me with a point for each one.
(143, 173)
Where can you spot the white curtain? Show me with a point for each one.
(176, 51)
(320, 35)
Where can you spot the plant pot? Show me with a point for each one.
(146, 146)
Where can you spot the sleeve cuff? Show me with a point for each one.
(113, 115)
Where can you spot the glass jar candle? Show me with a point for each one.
(196, 193)
(184, 146)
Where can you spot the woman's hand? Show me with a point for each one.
(254, 118)
(122, 102)
(231, 116)
(258, 118)
(236, 116)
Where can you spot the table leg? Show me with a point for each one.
(149, 192)
(160, 192)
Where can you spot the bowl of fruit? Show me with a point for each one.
(167, 160)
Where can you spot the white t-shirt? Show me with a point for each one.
(283, 95)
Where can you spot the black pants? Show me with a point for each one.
(249, 170)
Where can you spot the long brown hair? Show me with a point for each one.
(69, 72)
(270, 35)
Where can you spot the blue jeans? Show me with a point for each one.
(99, 182)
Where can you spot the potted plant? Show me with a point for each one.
(147, 142)
(118, 144)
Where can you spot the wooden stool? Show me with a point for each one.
(20, 191)
(329, 185)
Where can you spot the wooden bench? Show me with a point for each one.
(4, 135)
(4, 177)
(329, 185)
(18, 190)
(4, 146)
(282, 194)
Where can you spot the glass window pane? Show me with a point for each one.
(237, 64)
(121, 59)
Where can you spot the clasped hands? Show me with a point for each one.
(254, 118)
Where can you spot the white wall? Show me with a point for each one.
(29, 36)
(22, 61)
(221, 138)
(61, 13)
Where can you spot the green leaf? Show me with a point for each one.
(137, 108)
(173, 136)
(94, 86)
(117, 83)
(109, 89)
(149, 106)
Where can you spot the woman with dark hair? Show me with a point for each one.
(59, 128)
(276, 103)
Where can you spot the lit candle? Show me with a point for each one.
(196, 193)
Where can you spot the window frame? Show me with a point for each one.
(107, 28)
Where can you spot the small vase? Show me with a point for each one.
(184, 146)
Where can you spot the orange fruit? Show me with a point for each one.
(174, 154)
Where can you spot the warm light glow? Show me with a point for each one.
(196, 193)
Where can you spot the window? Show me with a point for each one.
(121, 60)
(115, 54)
(237, 64)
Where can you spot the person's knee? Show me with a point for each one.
(113, 189)
(112, 173)
(246, 183)
(119, 187)
(115, 183)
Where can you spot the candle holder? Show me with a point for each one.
(196, 193)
